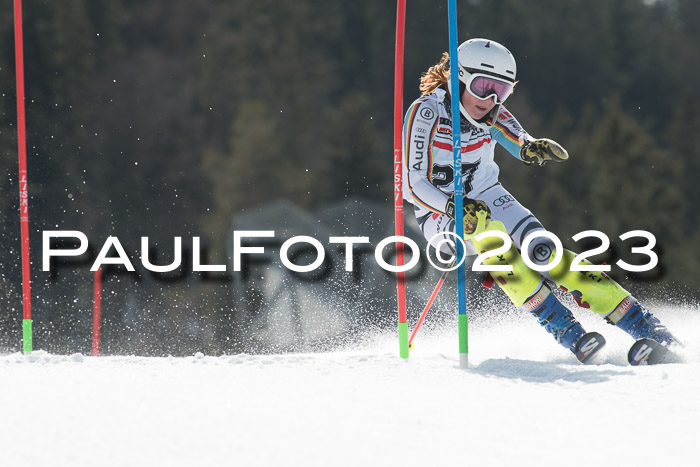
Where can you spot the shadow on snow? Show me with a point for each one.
(546, 372)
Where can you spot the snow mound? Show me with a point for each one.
(524, 401)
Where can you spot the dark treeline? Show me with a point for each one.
(163, 118)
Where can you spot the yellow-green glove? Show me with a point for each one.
(541, 151)
(470, 207)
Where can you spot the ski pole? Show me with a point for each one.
(429, 304)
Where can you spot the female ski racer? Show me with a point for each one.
(487, 73)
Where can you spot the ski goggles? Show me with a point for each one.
(484, 86)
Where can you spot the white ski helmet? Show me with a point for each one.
(486, 69)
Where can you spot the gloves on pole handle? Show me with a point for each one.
(470, 208)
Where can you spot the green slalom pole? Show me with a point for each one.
(26, 335)
(463, 329)
(403, 340)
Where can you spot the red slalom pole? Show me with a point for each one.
(23, 183)
(398, 174)
(96, 312)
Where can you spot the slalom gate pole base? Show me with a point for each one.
(464, 361)
(27, 335)
(403, 340)
(463, 324)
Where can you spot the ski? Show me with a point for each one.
(588, 345)
(649, 352)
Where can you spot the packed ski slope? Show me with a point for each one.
(524, 401)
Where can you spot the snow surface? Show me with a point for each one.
(524, 401)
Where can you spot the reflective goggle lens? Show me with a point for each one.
(484, 87)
